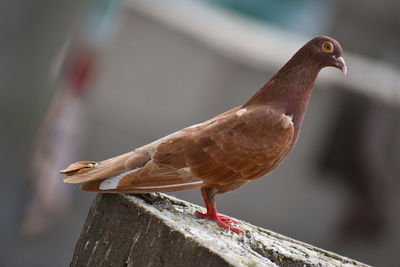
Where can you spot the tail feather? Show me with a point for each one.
(85, 171)
(133, 172)
(76, 167)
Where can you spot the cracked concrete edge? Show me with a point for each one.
(160, 230)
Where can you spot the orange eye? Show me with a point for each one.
(327, 47)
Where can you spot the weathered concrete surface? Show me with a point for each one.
(159, 230)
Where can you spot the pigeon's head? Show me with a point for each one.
(327, 52)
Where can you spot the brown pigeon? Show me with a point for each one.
(225, 152)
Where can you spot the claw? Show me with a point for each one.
(227, 219)
(222, 220)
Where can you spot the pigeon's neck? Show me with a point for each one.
(290, 89)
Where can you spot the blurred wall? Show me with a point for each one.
(369, 27)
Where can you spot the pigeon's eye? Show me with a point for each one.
(327, 47)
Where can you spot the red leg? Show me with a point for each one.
(224, 221)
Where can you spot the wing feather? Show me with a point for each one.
(232, 147)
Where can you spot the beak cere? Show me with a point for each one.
(341, 65)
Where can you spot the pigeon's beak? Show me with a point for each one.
(340, 64)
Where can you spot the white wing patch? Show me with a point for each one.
(112, 183)
(287, 120)
(240, 112)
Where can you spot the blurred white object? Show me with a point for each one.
(58, 141)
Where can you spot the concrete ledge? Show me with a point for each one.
(159, 230)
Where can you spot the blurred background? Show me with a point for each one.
(91, 79)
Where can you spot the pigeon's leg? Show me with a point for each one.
(211, 214)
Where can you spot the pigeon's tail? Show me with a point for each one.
(86, 171)
(133, 172)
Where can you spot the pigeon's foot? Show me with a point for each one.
(222, 220)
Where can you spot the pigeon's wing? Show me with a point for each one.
(237, 146)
